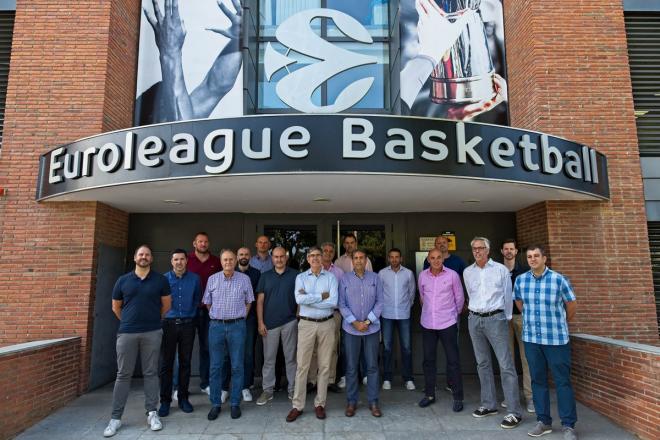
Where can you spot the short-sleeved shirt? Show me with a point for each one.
(204, 269)
(140, 310)
(228, 297)
(279, 297)
(544, 312)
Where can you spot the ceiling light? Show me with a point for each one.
(172, 202)
(471, 201)
(321, 199)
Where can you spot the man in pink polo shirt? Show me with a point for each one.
(441, 295)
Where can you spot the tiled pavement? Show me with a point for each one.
(87, 416)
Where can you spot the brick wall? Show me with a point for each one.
(569, 76)
(35, 382)
(620, 382)
(73, 78)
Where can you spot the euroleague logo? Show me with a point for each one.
(297, 87)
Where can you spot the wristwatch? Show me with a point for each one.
(368, 322)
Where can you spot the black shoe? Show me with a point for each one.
(510, 421)
(185, 406)
(164, 409)
(214, 413)
(311, 387)
(457, 406)
(235, 412)
(426, 401)
(482, 411)
(334, 388)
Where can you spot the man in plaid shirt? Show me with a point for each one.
(547, 302)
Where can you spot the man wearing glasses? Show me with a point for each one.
(488, 285)
(316, 293)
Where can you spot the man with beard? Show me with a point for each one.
(140, 299)
(228, 297)
(201, 262)
(243, 255)
(179, 332)
(276, 313)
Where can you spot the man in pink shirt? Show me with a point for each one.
(441, 295)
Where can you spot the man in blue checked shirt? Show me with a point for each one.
(361, 304)
(547, 302)
(179, 332)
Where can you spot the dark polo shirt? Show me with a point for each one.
(254, 275)
(140, 311)
(518, 269)
(279, 297)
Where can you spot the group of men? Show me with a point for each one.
(339, 309)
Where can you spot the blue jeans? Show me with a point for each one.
(403, 328)
(370, 344)
(226, 338)
(248, 362)
(558, 359)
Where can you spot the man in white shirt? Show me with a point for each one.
(488, 284)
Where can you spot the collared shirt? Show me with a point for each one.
(204, 270)
(228, 297)
(141, 301)
(336, 271)
(261, 264)
(310, 287)
(442, 298)
(254, 275)
(361, 298)
(345, 263)
(453, 261)
(518, 269)
(398, 292)
(489, 288)
(186, 294)
(279, 296)
(544, 311)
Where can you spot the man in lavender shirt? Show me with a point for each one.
(228, 297)
(441, 295)
(361, 304)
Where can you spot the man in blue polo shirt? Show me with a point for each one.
(179, 332)
(139, 300)
(547, 302)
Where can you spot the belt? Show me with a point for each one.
(178, 321)
(227, 321)
(316, 320)
(487, 314)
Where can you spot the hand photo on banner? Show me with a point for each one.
(453, 61)
(190, 63)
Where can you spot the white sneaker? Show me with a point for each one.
(247, 395)
(364, 380)
(530, 406)
(503, 404)
(112, 428)
(410, 385)
(154, 421)
(175, 395)
(387, 385)
(207, 390)
(223, 396)
(342, 382)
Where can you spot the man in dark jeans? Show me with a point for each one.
(204, 264)
(179, 332)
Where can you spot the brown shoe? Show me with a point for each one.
(350, 410)
(293, 415)
(320, 412)
(375, 411)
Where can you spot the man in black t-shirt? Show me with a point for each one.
(140, 299)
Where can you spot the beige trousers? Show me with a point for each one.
(311, 336)
(313, 365)
(515, 331)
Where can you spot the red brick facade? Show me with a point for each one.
(35, 382)
(565, 84)
(622, 383)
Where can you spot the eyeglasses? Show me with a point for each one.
(314, 255)
(478, 249)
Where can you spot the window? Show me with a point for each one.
(372, 14)
(7, 14)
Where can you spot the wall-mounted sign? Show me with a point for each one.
(426, 243)
(322, 143)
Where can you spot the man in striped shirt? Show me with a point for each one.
(547, 302)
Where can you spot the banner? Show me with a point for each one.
(190, 62)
